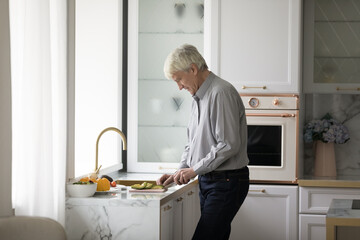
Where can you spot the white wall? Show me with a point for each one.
(5, 112)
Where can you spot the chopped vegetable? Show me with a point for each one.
(146, 185)
(83, 183)
(157, 187)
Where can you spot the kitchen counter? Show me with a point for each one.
(120, 214)
(340, 181)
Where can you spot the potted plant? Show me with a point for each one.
(325, 132)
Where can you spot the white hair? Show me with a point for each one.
(181, 59)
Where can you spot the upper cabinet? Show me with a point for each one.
(158, 112)
(331, 46)
(255, 45)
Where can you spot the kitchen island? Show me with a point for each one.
(120, 214)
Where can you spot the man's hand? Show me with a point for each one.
(183, 176)
(165, 179)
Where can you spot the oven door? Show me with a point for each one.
(272, 145)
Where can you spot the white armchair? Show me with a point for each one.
(30, 228)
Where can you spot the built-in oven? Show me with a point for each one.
(272, 137)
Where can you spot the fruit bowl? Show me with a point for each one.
(81, 190)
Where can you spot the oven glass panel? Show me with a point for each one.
(264, 145)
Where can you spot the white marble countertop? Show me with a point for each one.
(120, 194)
(342, 208)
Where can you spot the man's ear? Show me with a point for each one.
(194, 69)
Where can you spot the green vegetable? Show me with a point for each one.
(157, 187)
(139, 186)
(83, 183)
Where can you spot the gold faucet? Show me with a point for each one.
(122, 135)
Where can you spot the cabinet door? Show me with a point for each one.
(178, 218)
(191, 212)
(312, 227)
(255, 45)
(268, 210)
(159, 111)
(166, 227)
(331, 47)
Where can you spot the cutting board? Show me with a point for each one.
(148, 190)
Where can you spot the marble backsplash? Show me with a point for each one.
(346, 109)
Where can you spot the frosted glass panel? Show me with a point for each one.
(164, 110)
(337, 41)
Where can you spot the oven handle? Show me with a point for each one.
(284, 115)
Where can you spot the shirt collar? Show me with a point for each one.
(200, 93)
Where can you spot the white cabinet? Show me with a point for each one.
(312, 227)
(255, 45)
(166, 219)
(331, 47)
(186, 214)
(178, 219)
(314, 204)
(268, 210)
(158, 112)
(191, 212)
(317, 200)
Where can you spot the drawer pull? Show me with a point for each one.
(283, 115)
(245, 87)
(347, 89)
(179, 199)
(258, 190)
(190, 193)
(168, 207)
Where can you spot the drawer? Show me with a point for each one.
(318, 200)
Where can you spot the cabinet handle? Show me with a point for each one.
(347, 89)
(168, 207)
(258, 190)
(245, 87)
(190, 193)
(179, 199)
(284, 115)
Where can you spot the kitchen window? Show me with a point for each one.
(95, 85)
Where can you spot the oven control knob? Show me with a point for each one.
(253, 102)
(276, 102)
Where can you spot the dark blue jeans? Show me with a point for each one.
(221, 196)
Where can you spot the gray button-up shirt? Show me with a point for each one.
(217, 130)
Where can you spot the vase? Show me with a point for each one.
(325, 164)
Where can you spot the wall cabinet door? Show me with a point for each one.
(255, 45)
(158, 112)
(166, 218)
(312, 227)
(331, 47)
(268, 210)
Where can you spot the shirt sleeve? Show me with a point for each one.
(225, 114)
(184, 156)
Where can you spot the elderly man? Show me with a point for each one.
(216, 151)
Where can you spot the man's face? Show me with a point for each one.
(186, 80)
